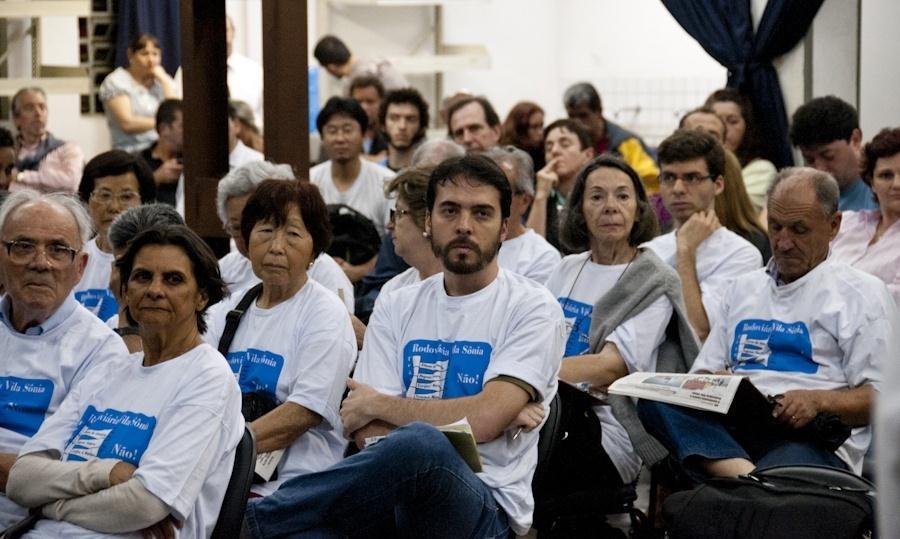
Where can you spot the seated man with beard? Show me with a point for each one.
(475, 342)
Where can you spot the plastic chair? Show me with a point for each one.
(231, 515)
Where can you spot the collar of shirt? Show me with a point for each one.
(57, 318)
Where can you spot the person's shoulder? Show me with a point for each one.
(405, 278)
(320, 172)
(325, 265)
(849, 281)
(539, 243)
(570, 261)
(321, 301)
(727, 241)
(759, 166)
(523, 291)
(375, 171)
(118, 78)
(662, 243)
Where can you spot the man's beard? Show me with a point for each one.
(477, 261)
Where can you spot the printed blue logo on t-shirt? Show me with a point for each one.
(258, 370)
(99, 301)
(444, 370)
(772, 345)
(578, 326)
(24, 403)
(110, 434)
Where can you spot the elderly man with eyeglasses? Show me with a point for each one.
(706, 255)
(49, 341)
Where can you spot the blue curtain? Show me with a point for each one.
(724, 28)
(161, 18)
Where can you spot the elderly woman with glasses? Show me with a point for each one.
(111, 183)
(294, 346)
(619, 300)
(146, 443)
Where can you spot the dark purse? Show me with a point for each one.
(258, 403)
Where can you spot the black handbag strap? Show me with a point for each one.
(233, 318)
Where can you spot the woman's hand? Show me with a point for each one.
(121, 473)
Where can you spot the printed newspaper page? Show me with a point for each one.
(709, 392)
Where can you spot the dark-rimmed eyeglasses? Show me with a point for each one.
(21, 252)
(395, 213)
(691, 178)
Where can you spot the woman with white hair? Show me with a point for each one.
(233, 192)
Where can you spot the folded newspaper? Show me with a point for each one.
(461, 438)
(711, 392)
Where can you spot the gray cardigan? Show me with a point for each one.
(642, 283)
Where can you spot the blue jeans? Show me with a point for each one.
(412, 482)
(693, 435)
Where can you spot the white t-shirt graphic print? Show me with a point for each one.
(422, 343)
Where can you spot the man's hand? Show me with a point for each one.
(164, 529)
(168, 172)
(797, 408)
(697, 228)
(529, 418)
(547, 178)
(358, 409)
(121, 473)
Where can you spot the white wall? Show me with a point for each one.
(879, 74)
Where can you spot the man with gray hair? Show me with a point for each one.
(49, 340)
(810, 332)
(43, 162)
(523, 251)
(583, 105)
(233, 192)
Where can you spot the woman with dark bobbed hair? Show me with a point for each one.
(294, 346)
(870, 240)
(146, 443)
(618, 300)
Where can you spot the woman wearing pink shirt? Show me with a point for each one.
(870, 240)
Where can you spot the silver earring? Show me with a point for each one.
(425, 234)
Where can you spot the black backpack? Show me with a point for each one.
(355, 239)
(781, 502)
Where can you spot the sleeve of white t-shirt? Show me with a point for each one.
(554, 280)
(543, 267)
(715, 351)
(379, 362)
(638, 337)
(319, 373)
(532, 349)
(111, 349)
(736, 263)
(865, 343)
(186, 441)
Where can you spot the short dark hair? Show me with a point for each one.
(406, 96)
(6, 139)
(689, 144)
(165, 113)
(203, 263)
(141, 40)
(822, 121)
(470, 167)
(273, 199)
(573, 231)
(331, 50)
(490, 115)
(574, 127)
(885, 144)
(132, 221)
(342, 106)
(366, 81)
(113, 163)
(583, 94)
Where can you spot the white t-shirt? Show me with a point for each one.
(93, 290)
(38, 371)
(408, 277)
(720, 258)
(423, 344)
(245, 83)
(300, 351)
(827, 330)
(529, 255)
(366, 195)
(179, 422)
(578, 284)
(237, 271)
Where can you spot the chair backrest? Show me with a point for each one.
(231, 516)
(548, 439)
